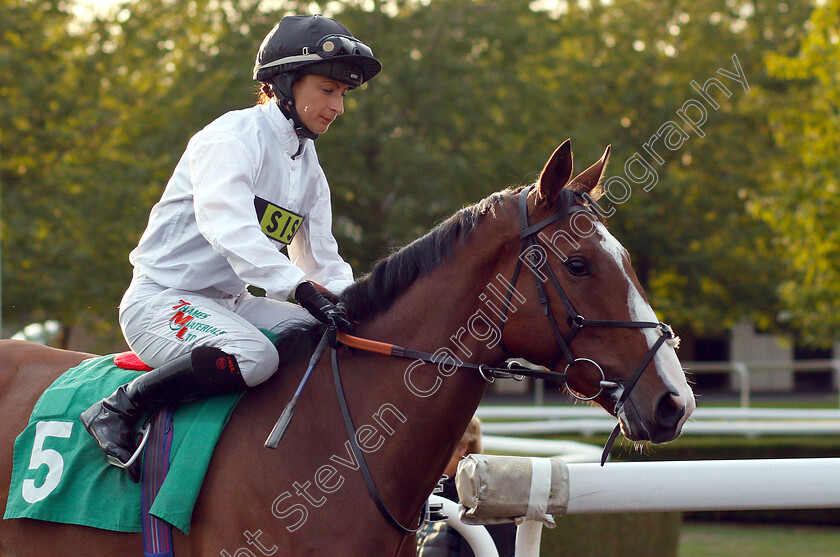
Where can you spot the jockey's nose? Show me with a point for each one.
(338, 105)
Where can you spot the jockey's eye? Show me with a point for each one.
(577, 266)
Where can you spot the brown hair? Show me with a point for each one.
(265, 94)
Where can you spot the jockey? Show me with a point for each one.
(247, 185)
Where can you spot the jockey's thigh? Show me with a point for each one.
(273, 315)
(161, 324)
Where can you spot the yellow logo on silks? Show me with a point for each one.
(276, 222)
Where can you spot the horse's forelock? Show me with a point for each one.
(568, 197)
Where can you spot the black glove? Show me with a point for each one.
(322, 309)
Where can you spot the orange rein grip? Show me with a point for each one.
(365, 344)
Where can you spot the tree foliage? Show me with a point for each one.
(803, 207)
(474, 96)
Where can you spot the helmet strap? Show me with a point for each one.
(281, 84)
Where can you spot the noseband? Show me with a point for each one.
(529, 250)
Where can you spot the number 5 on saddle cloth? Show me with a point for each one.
(59, 473)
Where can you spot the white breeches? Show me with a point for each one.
(162, 323)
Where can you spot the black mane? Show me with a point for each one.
(375, 292)
(390, 277)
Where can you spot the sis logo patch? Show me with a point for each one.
(276, 222)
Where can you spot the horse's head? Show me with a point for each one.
(595, 322)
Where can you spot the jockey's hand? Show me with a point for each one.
(322, 309)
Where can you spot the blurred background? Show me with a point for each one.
(99, 100)
(732, 221)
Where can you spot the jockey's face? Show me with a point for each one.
(319, 100)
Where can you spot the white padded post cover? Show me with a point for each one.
(497, 489)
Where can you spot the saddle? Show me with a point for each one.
(71, 478)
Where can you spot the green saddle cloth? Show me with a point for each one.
(61, 475)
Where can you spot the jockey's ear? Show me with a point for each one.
(588, 180)
(555, 174)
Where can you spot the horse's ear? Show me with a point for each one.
(588, 180)
(556, 173)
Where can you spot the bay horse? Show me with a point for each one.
(529, 272)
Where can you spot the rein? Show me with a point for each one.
(513, 369)
(392, 350)
(360, 456)
(529, 244)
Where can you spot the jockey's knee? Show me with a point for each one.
(258, 360)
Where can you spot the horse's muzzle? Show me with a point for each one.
(663, 423)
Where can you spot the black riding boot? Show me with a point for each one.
(204, 372)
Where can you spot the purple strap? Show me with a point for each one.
(157, 534)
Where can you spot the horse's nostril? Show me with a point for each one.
(669, 411)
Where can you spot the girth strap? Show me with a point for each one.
(157, 534)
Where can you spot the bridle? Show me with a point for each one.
(529, 250)
(530, 243)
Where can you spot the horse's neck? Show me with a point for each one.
(408, 435)
(447, 309)
(435, 402)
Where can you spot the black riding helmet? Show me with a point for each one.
(311, 44)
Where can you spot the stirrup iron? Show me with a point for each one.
(144, 432)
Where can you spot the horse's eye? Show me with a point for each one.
(577, 266)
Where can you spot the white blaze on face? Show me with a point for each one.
(666, 361)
